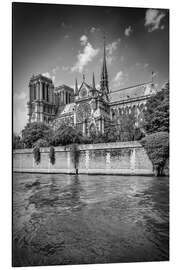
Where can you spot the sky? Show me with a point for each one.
(65, 41)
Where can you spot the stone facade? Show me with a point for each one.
(87, 108)
(128, 158)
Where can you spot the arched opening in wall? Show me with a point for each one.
(119, 111)
(126, 110)
(133, 111)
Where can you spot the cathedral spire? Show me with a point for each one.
(104, 74)
(93, 82)
(76, 87)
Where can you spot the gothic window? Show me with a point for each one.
(66, 98)
(34, 91)
(38, 85)
(92, 129)
(43, 91)
(83, 92)
(47, 92)
(83, 111)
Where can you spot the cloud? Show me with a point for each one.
(65, 68)
(110, 48)
(137, 64)
(128, 31)
(46, 74)
(146, 65)
(20, 96)
(66, 36)
(83, 40)
(65, 25)
(153, 19)
(94, 29)
(86, 56)
(55, 69)
(119, 78)
(19, 119)
(109, 59)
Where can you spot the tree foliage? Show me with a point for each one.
(35, 131)
(157, 113)
(67, 135)
(41, 143)
(17, 142)
(157, 148)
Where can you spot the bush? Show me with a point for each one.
(157, 148)
(37, 155)
(41, 143)
(52, 155)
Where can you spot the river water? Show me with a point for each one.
(70, 219)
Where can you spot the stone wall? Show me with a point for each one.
(109, 158)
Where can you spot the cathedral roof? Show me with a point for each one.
(133, 92)
(66, 109)
(63, 87)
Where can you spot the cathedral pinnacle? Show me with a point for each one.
(76, 87)
(104, 74)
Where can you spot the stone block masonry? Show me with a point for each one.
(126, 158)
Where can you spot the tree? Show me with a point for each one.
(157, 148)
(67, 135)
(123, 129)
(17, 142)
(35, 131)
(157, 113)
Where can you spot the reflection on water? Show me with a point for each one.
(72, 219)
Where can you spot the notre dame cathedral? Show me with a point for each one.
(87, 108)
